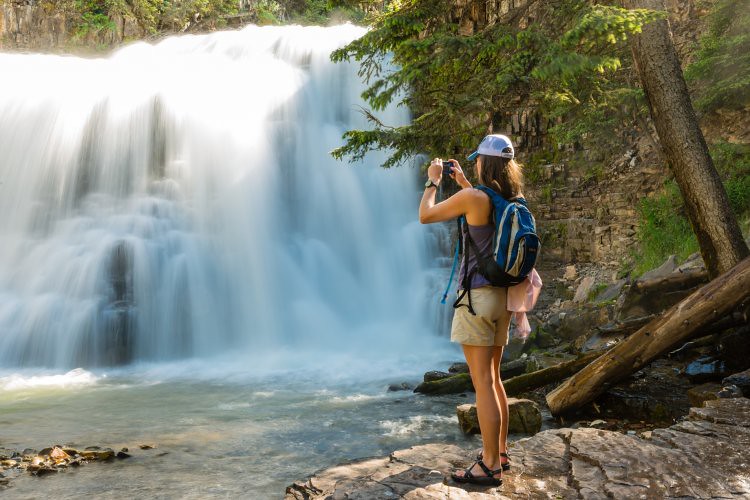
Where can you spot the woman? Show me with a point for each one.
(484, 334)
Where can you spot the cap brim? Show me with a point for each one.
(473, 156)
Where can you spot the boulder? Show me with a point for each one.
(459, 368)
(702, 393)
(403, 386)
(524, 417)
(570, 273)
(611, 292)
(705, 369)
(668, 267)
(741, 380)
(582, 292)
(455, 384)
(432, 376)
(705, 456)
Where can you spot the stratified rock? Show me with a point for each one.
(702, 393)
(435, 375)
(524, 417)
(454, 384)
(741, 380)
(459, 368)
(703, 457)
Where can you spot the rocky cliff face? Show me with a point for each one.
(52, 26)
(585, 217)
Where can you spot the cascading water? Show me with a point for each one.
(179, 200)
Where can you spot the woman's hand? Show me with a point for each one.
(435, 170)
(458, 175)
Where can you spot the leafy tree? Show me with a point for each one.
(459, 86)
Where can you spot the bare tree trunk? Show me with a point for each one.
(706, 201)
(681, 323)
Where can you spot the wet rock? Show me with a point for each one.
(705, 456)
(454, 384)
(702, 393)
(741, 380)
(459, 368)
(657, 394)
(122, 454)
(6, 453)
(147, 446)
(435, 375)
(98, 454)
(524, 417)
(403, 386)
(705, 369)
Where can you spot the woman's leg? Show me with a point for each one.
(502, 399)
(480, 363)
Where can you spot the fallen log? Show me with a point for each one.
(674, 281)
(682, 322)
(540, 378)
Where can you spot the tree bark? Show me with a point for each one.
(681, 323)
(706, 202)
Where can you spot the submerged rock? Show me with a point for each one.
(524, 417)
(705, 456)
(403, 386)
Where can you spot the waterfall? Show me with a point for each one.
(179, 200)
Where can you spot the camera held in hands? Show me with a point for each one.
(447, 167)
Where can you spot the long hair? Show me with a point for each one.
(502, 174)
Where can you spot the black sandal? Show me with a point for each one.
(487, 480)
(504, 465)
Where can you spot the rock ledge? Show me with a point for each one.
(707, 455)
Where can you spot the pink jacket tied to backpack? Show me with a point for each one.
(521, 299)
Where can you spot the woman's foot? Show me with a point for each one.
(481, 474)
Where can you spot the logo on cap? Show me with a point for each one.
(493, 145)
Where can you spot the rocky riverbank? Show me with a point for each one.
(707, 455)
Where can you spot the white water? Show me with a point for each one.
(179, 201)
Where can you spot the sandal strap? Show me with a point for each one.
(505, 455)
(489, 472)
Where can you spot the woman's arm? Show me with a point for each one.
(451, 208)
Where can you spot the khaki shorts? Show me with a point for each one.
(490, 325)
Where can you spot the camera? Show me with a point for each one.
(447, 167)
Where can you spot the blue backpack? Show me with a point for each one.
(515, 246)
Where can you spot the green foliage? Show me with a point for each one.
(323, 12)
(413, 56)
(94, 17)
(721, 70)
(664, 229)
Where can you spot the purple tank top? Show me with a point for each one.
(482, 236)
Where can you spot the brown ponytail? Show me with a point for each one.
(501, 174)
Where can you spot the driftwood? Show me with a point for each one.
(682, 322)
(540, 378)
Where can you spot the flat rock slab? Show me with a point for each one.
(705, 456)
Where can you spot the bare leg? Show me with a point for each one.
(479, 359)
(502, 399)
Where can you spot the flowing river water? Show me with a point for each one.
(182, 263)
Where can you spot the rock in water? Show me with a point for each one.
(705, 456)
(435, 375)
(454, 384)
(524, 417)
(459, 368)
(403, 386)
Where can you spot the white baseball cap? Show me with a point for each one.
(493, 145)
